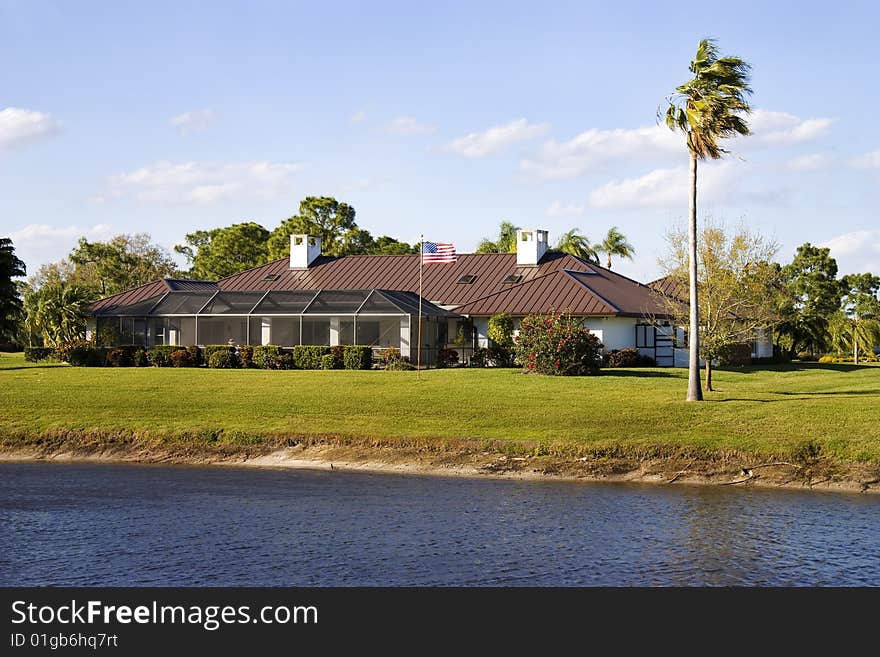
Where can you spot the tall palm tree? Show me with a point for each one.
(577, 245)
(708, 108)
(506, 242)
(615, 243)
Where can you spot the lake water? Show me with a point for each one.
(119, 525)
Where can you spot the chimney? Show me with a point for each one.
(303, 251)
(531, 245)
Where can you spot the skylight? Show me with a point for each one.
(271, 277)
(513, 279)
(467, 279)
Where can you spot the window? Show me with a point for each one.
(467, 279)
(513, 279)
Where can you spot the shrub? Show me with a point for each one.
(358, 357)
(557, 344)
(211, 349)
(328, 362)
(10, 347)
(246, 355)
(501, 334)
(141, 359)
(447, 358)
(124, 356)
(806, 356)
(399, 365)
(491, 357)
(195, 354)
(338, 353)
(826, 359)
(286, 361)
(308, 357)
(86, 355)
(223, 359)
(37, 354)
(389, 355)
(739, 353)
(160, 355)
(627, 357)
(267, 357)
(62, 350)
(182, 358)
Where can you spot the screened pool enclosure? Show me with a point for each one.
(378, 318)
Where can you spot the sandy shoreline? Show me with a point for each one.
(816, 476)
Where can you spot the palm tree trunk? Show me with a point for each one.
(694, 393)
(856, 340)
(708, 374)
(609, 260)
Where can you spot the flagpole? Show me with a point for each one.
(419, 346)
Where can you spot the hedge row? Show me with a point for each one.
(270, 357)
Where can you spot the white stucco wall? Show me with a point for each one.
(614, 332)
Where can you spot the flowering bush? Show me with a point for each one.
(557, 344)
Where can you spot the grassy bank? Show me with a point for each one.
(786, 412)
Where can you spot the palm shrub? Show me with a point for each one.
(557, 344)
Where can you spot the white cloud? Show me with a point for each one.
(496, 138)
(38, 244)
(569, 159)
(661, 188)
(204, 183)
(781, 128)
(867, 161)
(358, 117)
(22, 126)
(558, 209)
(810, 162)
(857, 251)
(407, 125)
(194, 121)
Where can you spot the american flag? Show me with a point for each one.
(437, 252)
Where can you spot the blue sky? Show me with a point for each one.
(441, 119)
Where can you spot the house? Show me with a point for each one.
(311, 298)
(761, 343)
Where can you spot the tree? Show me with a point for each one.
(811, 280)
(324, 217)
(11, 267)
(707, 109)
(578, 245)
(222, 252)
(385, 245)
(737, 281)
(123, 262)
(56, 311)
(861, 308)
(506, 242)
(615, 243)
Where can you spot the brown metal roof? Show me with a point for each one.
(560, 281)
(671, 287)
(154, 289)
(401, 272)
(598, 292)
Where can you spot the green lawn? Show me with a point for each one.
(771, 411)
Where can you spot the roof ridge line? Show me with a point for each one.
(582, 283)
